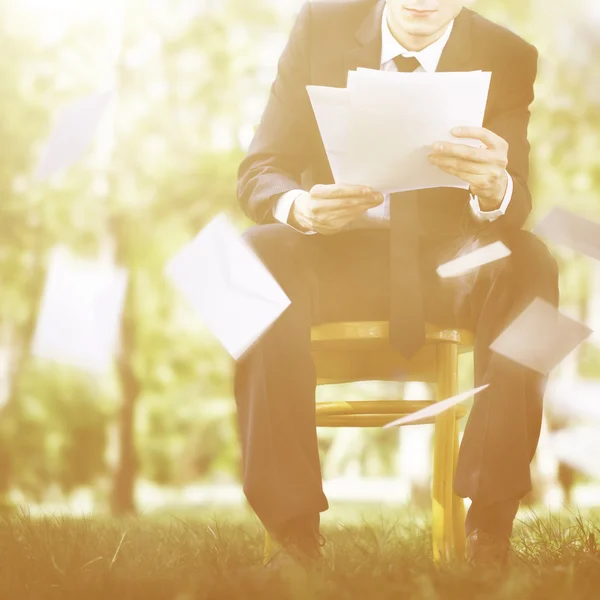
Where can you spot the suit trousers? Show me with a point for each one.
(345, 277)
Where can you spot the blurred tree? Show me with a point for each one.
(194, 77)
(136, 199)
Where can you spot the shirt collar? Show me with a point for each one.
(429, 58)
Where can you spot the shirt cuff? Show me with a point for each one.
(281, 210)
(492, 215)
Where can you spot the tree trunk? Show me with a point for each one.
(123, 493)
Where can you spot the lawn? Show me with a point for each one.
(382, 553)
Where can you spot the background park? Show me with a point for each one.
(128, 484)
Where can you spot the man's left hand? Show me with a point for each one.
(483, 168)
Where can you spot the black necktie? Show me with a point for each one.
(406, 64)
(407, 321)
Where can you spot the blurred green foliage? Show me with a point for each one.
(193, 78)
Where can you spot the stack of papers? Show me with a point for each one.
(379, 131)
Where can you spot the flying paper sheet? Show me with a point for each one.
(577, 399)
(473, 260)
(379, 131)
(578, 447)
(593, 317)
(80, 312)
(567, 229)
(72, 134)
(228, 285)
(436, 409)
(541, 337)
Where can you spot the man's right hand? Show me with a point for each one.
(328, 209)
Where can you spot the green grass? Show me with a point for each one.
(384, 554)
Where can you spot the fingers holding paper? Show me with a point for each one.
(483, 168)
(328, 209)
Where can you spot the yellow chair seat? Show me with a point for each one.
(347, 352)
(361, 351)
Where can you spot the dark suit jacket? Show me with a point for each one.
(331, 38)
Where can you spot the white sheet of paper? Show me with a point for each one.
(593, 320)
(395, 73)
(80, 312)
(391, 121)
(224, 280)
(567, 229)
(574, 399)
(365, 85)
(473, 260)
(72, 134)
(402, 115)
(578, 447)
(330, 106)
(541, 337)
(436, 409)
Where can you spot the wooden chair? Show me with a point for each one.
(360, 351)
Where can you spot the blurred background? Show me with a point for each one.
(159, 429)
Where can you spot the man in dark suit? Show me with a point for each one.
(345, 253)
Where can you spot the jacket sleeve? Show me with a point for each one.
(279, 152)
(510, 120)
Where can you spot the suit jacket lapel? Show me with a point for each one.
(367, 52)
(458, 53)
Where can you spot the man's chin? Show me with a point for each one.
(420, 30)
(422, 27)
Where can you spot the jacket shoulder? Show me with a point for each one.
(334, 22)
(500, 39)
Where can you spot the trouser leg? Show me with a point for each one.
(326, 278)
(503, 429)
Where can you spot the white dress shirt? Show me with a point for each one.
(429, 59)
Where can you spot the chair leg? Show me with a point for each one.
(458, 511)
(443, 459)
